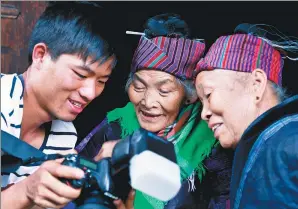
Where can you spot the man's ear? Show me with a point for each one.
(259, 82)
(39, 54)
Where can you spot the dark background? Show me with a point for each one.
(207, 20)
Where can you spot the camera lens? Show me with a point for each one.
(92, 206)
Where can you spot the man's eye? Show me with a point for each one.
(102, 82)
(79, 75)
(208, 95)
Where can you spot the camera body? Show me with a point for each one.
(142, 161)
(97, 184)
(77, 161)
(93, 172)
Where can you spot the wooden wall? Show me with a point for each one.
(17, 21)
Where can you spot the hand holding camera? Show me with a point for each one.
(43, 188)
(144, 161)
(150, 164)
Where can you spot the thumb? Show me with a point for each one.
(66, 152)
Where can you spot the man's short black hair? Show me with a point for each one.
(73, 28)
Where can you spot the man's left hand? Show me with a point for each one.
(106, 150)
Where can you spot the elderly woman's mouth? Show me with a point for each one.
(149, 116)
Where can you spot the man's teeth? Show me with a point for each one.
(215, 127)
(76, 104)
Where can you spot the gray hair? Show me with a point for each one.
(188, 85)
(280, 92)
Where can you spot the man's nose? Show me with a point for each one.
(88, 91)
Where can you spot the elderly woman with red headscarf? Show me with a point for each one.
(240, 86)
(163, 100)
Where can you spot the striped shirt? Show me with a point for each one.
(59, 135)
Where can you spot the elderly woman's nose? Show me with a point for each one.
(149, 100)
(206, 113)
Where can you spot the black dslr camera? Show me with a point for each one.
(97, 184)
(142, 160)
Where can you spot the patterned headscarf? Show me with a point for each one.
(244, 53)
(175, 55)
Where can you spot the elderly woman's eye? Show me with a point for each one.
(138, 89)
(164, 92)
(138, 86)
(208, 95)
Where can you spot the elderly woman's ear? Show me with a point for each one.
(191, 99)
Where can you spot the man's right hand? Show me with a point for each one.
(44, 188)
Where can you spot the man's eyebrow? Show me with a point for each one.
(105, 76)
(84, 67)
(88, 69)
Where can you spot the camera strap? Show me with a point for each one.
(16, 153)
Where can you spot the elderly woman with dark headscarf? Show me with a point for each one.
(163, 100)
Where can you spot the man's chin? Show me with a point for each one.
(68, 118)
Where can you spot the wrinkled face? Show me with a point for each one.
(157, 98)
(228, 105)
(64, 87)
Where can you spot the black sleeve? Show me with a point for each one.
(214, 189)
(215, 186)
(106, 132)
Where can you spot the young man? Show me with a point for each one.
(70, 60)
(239, 84)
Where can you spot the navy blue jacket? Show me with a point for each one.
(265, 167)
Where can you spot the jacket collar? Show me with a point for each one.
(286, 108)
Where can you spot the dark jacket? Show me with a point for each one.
(265, 169)
(213, 192)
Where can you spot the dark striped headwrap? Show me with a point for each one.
(174, 55)
(244, 53)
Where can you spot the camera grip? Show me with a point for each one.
(70, 160)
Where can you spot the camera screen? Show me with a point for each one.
(88, 163)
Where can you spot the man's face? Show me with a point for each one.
(228, 105)
(64, 87)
